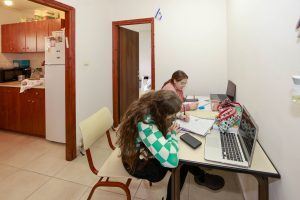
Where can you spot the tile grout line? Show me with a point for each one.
(121, 189)
(137, 188)
(49, 178)
(83, 193)
(20, 169)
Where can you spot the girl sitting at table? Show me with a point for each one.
(176, 84)
(148, 138)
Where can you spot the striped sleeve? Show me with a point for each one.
(164, 149)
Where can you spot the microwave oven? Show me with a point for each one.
(7, 75)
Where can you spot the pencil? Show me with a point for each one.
(184, 109)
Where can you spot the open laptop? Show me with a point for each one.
(234, 148)
(230, 93)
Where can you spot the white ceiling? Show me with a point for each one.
(139, 27)
(23, 5)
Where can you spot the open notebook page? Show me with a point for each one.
(197, 125)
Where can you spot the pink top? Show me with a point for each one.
(170, 86)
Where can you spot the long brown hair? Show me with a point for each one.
(177, 76)
(158, 105)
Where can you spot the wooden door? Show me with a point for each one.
(25, 113)
(30, 36)
(2, 108)
(128, 69)
(9, 108)
(42, 32)
(12, 107)
(17, 38)
(38, 112)
(5, 38)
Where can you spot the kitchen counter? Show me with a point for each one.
(18, 84)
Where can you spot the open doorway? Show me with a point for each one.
(70, 97)
(29, 36)
(133, 62)
(144, 55)
(23, 32)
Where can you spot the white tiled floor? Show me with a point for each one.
(33, 168)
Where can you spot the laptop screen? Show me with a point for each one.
(231, 88)
(247, 134)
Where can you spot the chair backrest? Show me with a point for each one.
(95, 126)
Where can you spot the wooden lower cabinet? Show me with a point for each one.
(9, 108)
(23, 112)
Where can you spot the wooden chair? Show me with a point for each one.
(92, 129)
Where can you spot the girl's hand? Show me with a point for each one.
(185, 117)
(194, 105)
(174, 127)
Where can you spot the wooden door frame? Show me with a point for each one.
(115, 59)
(70, 90)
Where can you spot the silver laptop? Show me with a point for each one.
(233, 147)
(230, 93)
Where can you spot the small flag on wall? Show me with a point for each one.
(158, 14)
(298, 29)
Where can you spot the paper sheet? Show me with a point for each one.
(204, 114)
(197, 125)
(27, 84)
(200, 98)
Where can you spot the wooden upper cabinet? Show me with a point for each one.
(5, 38)
(55, 25)
(42, 32)
(28, 36)
(13, 38)
(17, 38)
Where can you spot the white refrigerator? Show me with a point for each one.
(55, 87)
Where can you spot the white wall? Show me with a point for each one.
(263, 54)
(191, 36)
(145, 53)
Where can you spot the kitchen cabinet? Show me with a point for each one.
(5, 37)
(55, 25)
(28, 36)
(23, 112)
(12, 38)
(32, 112)
(9, 108)
(17, 38)
(42, 32)
(3, 108)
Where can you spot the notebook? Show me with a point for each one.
(196, 125)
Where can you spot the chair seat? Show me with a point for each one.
(113, 167)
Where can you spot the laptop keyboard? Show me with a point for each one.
(230, 148)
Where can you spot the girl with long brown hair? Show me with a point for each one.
(148, 137)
